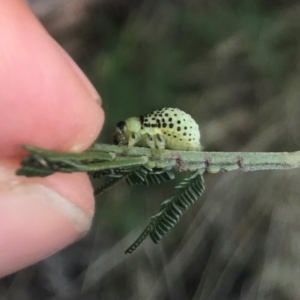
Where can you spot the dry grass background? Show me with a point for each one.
(234, 65)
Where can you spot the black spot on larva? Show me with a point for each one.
(190, 134)
(153, 119)
(178, 128)
(147, 125)
(174, 136)
(150, 137)
(153, 125)
(181, 139)
(185, 127)
(191, 127)
(171, 125)
(159, 125)
(164, 125)
(142, 127)
(163, 120)
(178, 122)
(189, 140)
(159, 137)
(175, 115)
(184, 134)
(160, 115)
(170, 119)
(169, 134)
(166, 115)
(184, 120)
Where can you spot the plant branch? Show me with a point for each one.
(105, 156)
(212, 161)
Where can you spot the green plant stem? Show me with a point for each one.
(212, 161)
(104, 156)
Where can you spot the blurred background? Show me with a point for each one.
(233, 65)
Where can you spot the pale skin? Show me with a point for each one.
(45, 100)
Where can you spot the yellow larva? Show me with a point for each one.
(166, 128)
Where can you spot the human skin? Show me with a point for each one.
(45, 100)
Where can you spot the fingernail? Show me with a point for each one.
(79, 218)
(83, 77)
(42, 200)
(35, 222)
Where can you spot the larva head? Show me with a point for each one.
(125, 128)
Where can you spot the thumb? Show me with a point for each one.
(46, 101)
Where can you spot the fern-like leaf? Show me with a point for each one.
(108, 185)
(134, 176)
(146, 176)
(142, 237)
(112, 177)
(111, 173)
(187, 193)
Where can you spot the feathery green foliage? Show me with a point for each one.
(187, 193)
(133, 176)
(147, 176)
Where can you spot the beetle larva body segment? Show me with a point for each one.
(166, 128)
